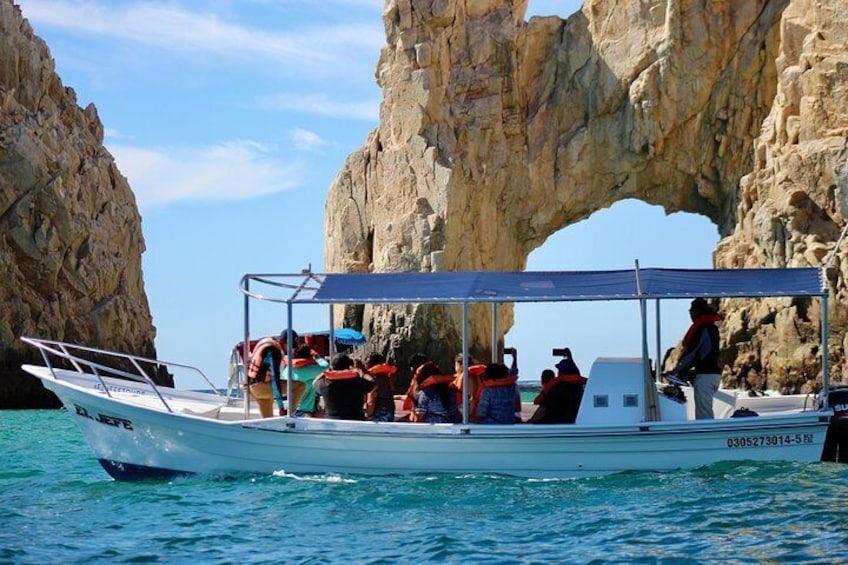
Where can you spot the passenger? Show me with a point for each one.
(263, 374)
(513, 372)
(475, 375)
(499, 397)
(343, 389)
(699, 362)
(320, 344)
(435, 401)
(559, 400)
(307, 365)
(380, 404)
(415, 361)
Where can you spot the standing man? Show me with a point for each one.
(699, 362)
(264, 377)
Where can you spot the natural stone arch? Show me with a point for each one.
(610, 329)
(495, 133)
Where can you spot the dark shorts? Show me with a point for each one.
(383, 416)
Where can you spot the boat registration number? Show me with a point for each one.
(770, 440)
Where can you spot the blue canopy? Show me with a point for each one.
(529, 286)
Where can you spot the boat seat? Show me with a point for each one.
(724, 403)
(211, 413)
(236, 413)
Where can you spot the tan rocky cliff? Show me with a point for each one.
(70, 232)
(496, 132)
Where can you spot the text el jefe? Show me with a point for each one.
(104, 419)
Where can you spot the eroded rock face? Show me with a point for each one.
(792, 203)
(496, 133)
(70, 232)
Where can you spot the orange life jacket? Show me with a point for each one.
(491, 383)
(298, 363)
(505, 381)
(343, 375)
(415, 386)
(384, 371)
(256, 358)
(570, 379)
(434, 380)
(473, 371)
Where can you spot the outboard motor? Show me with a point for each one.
(836, 440)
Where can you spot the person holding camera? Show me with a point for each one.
(699, 362)
(559, 400)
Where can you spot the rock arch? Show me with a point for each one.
(495, 133)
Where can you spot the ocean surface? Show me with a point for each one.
(58, 506)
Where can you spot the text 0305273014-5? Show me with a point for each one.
(773, 440)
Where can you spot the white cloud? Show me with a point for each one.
(112, 133)
(374, 5)
(323, 105)
(179, 30)
(305, 140)
(235, 170)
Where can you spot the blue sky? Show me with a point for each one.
(230, 118)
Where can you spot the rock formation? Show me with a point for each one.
(70, 232)
(496, 132)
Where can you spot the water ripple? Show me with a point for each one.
(59, 506)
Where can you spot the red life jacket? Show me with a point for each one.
(256, 358)
(571, 379)
(701, 320)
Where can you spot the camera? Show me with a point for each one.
(509, 351)
(561, 352)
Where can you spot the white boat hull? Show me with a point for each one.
(134, 436)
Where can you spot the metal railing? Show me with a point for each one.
(82, 358)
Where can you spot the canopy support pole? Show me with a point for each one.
(465, 362)
(658, 360)
(824, 328)
(288, 361)
(652, 412)
(332, 344)
(825, 361)
(494, 332)
(245, 357)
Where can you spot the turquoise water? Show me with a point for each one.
(58, 505)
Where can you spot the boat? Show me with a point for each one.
(627, 420)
